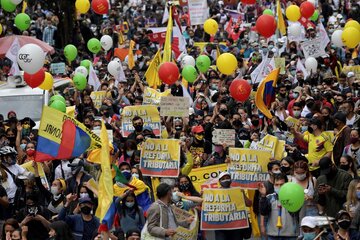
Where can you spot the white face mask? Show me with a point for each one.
(84, 195)
(300, 177)
(54, 190)
(276, 172)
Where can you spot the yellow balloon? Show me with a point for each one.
(293, 13)
(48, 82)
(350, 37)
(352, 23)
(0, 29)
(211, 26)
(82, 6)
(226, 63)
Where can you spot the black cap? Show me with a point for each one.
(340, 213)
(85, 200)
(27, 119)
(325, 165)
(340, 116)
(124, 163)
(316, 122)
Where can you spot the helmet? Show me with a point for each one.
(7, 150)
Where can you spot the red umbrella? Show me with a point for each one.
(5, 43)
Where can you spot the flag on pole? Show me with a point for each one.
(93, 78)
(131, 62)
(280, 19)
(265, 93)
(12, 55)
(167, 46)
(151, 74)
(106, 191)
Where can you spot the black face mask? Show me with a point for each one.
(345, 167)
(285, 169)
(86, 210)
(344, 224)
(255, 122)
(310, 129)
(138, 128)
(88, 126)
(184, 186)
(283, 95)
(237, 123)
(223, 112)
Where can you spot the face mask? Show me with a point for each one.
(310, 130)
(178, 128)
(223, 112)
(130, 153)
(96, 128)
(295, 95)
(285, 169)
(23, 146)
(135, 175)
(354, 140)
(276, 172)
(300, 177)
(84, 195)
(344, 224)
(345, 167)
(199, 137)
(271, 47)
(30, 152)
(255, 122)
(129, 204)
(86, 210)
(304, 128)
(214, 87)
(225, 183)
(88, 126)
(276, 190)
(296, 113)
(309, 236)
(127, 174)
(358, 194)
(237, 123)
(218, 149)
(184, 186)
(138, 128)
(54, 190)
(175, 197)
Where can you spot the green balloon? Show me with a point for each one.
(268, 12)
(8, 6)
(203, 63)
(315, 16)
(56, 98)
(22, 21)
(189, 73)
(70, 52)
(291, 196)
(58, 105)
(85, 63)
(94, 45)
(79, 81)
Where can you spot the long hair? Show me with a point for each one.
(351, 160)
(302, 165)
(12, 222)
(351, 198)
(191, 189)
(62, 230)
(124, 207)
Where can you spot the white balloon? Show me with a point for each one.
(311, 64)
(114, 68)
(188, 60)
(82, 70)
(295, 30)
(312, 1)
(106, 42)
(16, 2)
(31, 58)
(336, 38)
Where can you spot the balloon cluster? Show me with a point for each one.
(349, 37)
(9, 5)
(58, 102)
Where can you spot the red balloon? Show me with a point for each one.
(307, 9)
(100, 6)
(36, 79)
(240, 90)
(266, 25)
(168, 72)
(248, 1)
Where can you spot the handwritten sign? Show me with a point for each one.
(221, 136)
(280, 63)
(152, 97)
(97, 98)
(57, 68)
(174, 106)
(186, 233)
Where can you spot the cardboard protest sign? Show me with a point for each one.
(29, 167)
(57, 68)
(280, 63)
(174, 106)
(223, 209)
(148, 113)
(186, 233)
(268, 143)
(160, 158)
(199, 176)
(313, 48)
(97, 98)
(221, 136)
(152, 97)
(248, 167)
(198, 11)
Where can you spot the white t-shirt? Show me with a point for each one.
(65, 168)
(10, 185)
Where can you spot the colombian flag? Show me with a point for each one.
(62, 137)
(265, 93)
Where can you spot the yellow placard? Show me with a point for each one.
(152, 97)
(268, 143)
(29, 167)
(354, 69)
(97, 98)
(248, 167)
(292, 122)
(186, 233)
(199, 176)
(280, 150)
(280, 63)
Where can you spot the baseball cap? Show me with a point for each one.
(325, 165)
(308, 222)
(198, 129)
(222, 174)
(350, 74)
(85, 200)
(340, 116)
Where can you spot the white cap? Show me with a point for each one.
(350, 74)
(191, 111)
(308, 222)
(221, 175)
(339, 16)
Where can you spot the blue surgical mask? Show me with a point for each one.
(84, 195)
(304, 128)
(175, 197)
(130, 153)
(23, 146)
(127, 174)
(276, 190)
(129, 204)
(358, 194)
(309, 236)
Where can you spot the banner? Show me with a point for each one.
(160, 158)
(57, 68)
(313, 48)
(97, 98)
(248, 167)
(280, 63)
(174, 106)
(149, 114)
(221, 136)
(223, 209)
(354, 69)
(268, 143)
(152, 97)
(198, 11)
(29, 167)
(186, 233)
(199, 176)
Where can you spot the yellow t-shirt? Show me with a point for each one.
(318, 146)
